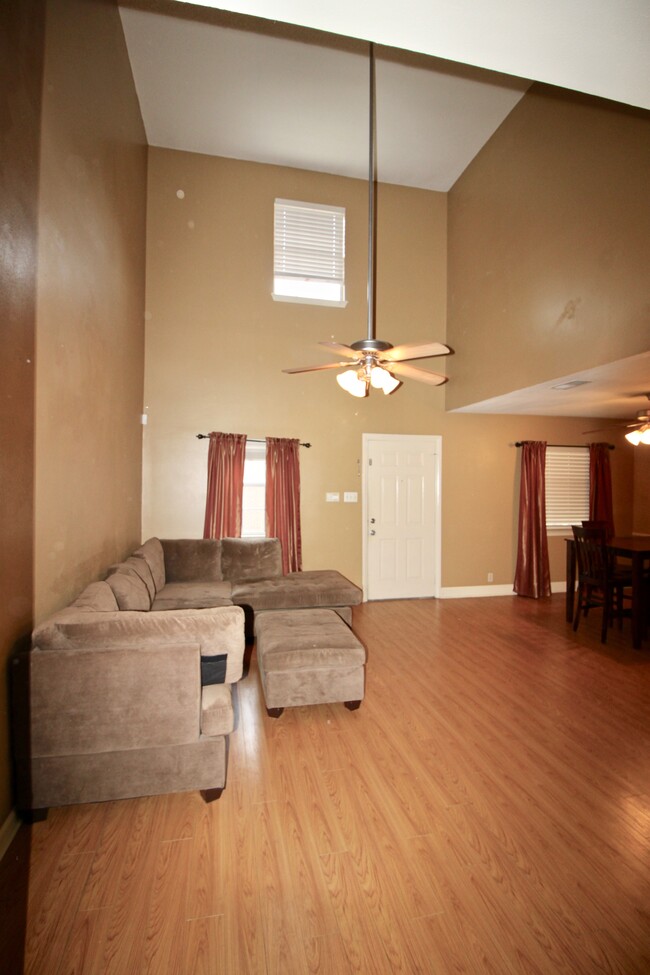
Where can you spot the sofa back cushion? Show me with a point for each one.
(247, 559)
(98, 597)
(152, 552)
(141, 568)
(192, 559)
(129, 589)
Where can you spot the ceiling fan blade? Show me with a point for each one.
(415, 350)
(339, 349)
(412, 372)
(328, 365)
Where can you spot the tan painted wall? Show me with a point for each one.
(216, 344)
(549, 246)
(90, 335)
(21, 64)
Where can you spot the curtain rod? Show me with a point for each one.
(520, 443)
(206, 436)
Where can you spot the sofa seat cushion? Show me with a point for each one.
(193, 595)
(306, 640)
(320, 587)
(217, 716)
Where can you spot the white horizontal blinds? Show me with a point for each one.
(309, 245)
(567, 486)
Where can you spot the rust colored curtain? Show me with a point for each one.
(533, 573)
(283, 499)
(223, 503)
(600, 486)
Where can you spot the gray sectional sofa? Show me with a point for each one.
(127, 691)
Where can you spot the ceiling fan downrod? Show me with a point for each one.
(371, 208)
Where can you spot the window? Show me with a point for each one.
(567, 487)
(309, 253)
(253, 520)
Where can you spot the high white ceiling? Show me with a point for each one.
(257, 88)
(595, 46)
(250, 95)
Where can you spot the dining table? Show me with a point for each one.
(633, 547)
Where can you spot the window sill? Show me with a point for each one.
(309, 301)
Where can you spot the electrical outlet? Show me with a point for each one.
(490, 576)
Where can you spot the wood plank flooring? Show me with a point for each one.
(486, 810)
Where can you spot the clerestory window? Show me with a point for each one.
(309, 253)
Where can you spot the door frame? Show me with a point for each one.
(436, 441)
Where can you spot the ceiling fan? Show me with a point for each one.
(639, 428)
(370, 361)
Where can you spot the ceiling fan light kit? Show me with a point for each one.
(371, 362)
(640, 436)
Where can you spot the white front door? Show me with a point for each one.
(401, 515)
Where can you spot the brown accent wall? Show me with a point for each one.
(21, 63)
(90, 333)
(217, 344)
(549, 246)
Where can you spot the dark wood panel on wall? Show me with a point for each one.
(21, 70)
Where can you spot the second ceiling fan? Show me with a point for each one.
(370, 361)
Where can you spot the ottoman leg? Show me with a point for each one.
(274, 712)
(352, 705)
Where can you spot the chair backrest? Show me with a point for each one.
(592, 553)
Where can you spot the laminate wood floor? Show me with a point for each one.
(486, 810)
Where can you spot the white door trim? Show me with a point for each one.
(436, 440)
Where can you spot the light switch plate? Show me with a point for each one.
(351, 496)
(332, 496)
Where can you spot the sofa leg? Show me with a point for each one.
(274, 712)
(211, 795)
(30, 816)
(352, 705)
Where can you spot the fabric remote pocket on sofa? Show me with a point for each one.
(213, 668)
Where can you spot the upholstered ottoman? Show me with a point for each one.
(308, 656)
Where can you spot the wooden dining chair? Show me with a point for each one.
(600, 583)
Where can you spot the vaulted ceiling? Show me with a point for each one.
(293, 91)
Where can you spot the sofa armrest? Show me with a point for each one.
(110, 699)
(219, 630)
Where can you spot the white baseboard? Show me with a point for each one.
(8, 830)
(471, 592)
(468, 592)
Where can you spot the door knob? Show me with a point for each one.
(372, 531)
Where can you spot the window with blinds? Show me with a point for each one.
(567, 487)
(309, 253)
